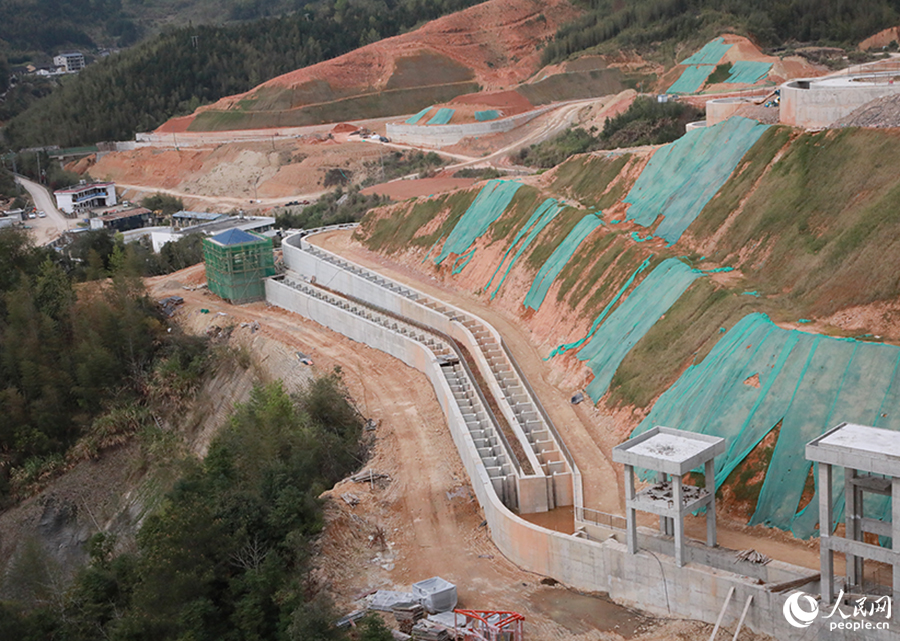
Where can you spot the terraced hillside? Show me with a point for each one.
(739, 282)
(493, 45)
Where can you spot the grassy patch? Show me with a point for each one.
(686, 334)
(588, 177)
(520, 208)
(553, 235)
(389, 234)
(438, 69)
(821, 222)
(721, 74)
(572, 86)
(373, 105)
(745, 175)
(579, 270)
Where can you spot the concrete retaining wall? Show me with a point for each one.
(535, 494)
(721, 109)
(443, 135)
(814, 104)
(647, 580)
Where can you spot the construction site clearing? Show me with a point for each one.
(421, 519)
(368, 543)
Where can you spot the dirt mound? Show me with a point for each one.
(493, 44)
(511, 102)
(881, 39)
(343, 128)
(881, 112)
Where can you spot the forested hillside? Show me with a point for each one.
(183, 68)
(671, 25)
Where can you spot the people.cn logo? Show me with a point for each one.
(798, 615)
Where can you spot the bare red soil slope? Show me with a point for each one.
(494, 44)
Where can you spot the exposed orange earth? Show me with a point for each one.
(494, 43)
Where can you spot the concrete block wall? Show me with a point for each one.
(646, 580)
(564, 487)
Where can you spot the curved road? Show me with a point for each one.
(45, 230)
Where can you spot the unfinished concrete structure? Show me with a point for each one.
(819, 102)
(715, 584)
(670, 453)
(870, 457)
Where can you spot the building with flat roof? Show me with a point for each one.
(81, 198)
(123, 220)
(185, 218)
(70, 61)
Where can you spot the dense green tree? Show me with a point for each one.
(174, 73)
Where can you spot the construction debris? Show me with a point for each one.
(369, 476)
(350, 619)
(385, 600)
(371, 425)
(406, 615)
(350, 499)
(752, 556)
(254, 326)
(303, 358)
(426, 631)
(170, 304)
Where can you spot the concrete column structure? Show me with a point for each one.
(871, 458)
(671, 454)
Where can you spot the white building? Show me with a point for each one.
(70, 61)
(79, 198)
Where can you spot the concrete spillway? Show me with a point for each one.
(423, 332)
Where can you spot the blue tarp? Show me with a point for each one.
(490, 114)
(683, 176)
(758, 375)
(442, 117)
(748, 72)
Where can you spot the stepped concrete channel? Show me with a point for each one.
(425, 333)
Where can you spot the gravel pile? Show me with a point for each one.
(881, 112)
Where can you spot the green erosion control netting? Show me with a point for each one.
(417, 117)
(558, 259)
(692, 78)
(490, 114)
(541, 217)
(758, 375)
(710, 54)
(604, 350)
(488, 206)
(748, 72)
(683, 176)
(442, 117)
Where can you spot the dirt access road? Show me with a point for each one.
(425, 521)
(44, 230)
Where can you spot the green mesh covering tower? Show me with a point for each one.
(237, 262)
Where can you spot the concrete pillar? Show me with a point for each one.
(826, 555)
(709, 472)
(852, 515)
(679, 520)
(895, 531)
(630, 516)
(663, 520)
